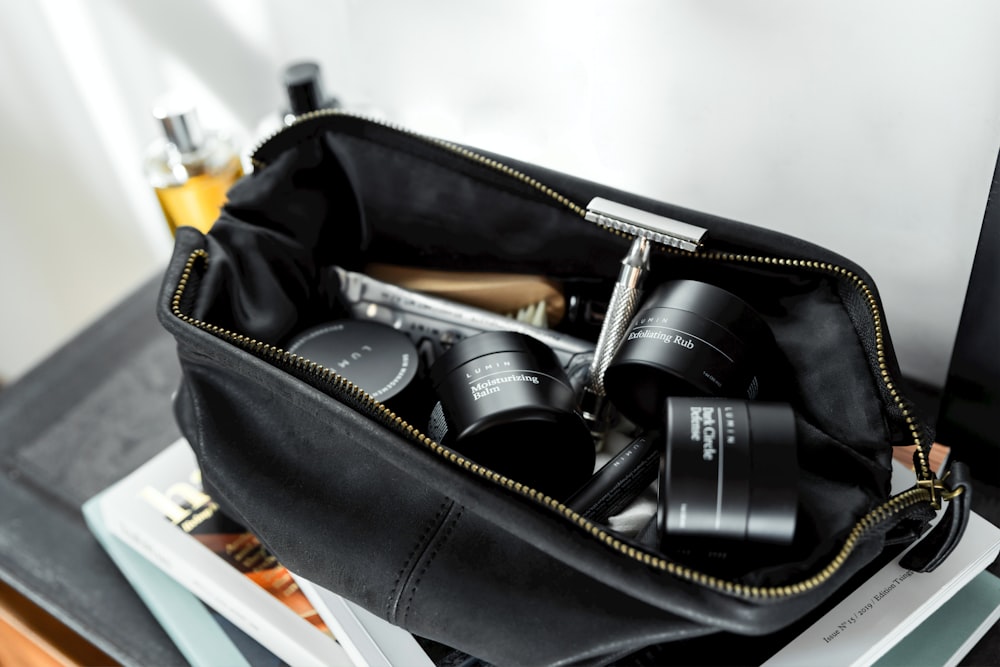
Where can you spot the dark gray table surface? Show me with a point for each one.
(85, 417)
(90, 414)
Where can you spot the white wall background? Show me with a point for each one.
(869, 127)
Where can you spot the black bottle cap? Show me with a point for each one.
(305, 90)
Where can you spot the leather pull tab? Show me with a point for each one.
(932, 550)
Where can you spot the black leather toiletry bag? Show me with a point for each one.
(357, 498)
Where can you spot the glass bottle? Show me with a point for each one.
(190, 168)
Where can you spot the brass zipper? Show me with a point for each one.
(930, 493)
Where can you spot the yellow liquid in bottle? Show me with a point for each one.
(197, 202)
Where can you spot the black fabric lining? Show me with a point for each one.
(441, 157)
(499, 225)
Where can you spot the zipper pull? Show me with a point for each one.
(956, 488)
(643, 224)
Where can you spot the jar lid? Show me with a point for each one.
(377, 358)
(712, 303)
(490, 342)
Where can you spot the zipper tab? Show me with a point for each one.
(956, 488)
(636, 222)
(939, 490)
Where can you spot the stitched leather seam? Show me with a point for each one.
(431, 527)
(439, 544)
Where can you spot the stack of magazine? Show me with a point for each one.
(219, 594)
(225, 600)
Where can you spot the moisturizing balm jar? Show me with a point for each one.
(506, 403)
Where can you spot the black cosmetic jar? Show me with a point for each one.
(506, 404)
(376, 357)
(688, 338)
(729, 472)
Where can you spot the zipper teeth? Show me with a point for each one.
(368, 404)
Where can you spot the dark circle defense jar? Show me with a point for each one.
(507, 404)
(729, 472)
(689, 338)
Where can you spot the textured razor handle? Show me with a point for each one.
(621, 307)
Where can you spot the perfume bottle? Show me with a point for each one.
(190, 168)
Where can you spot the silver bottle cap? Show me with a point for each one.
(180, 123)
